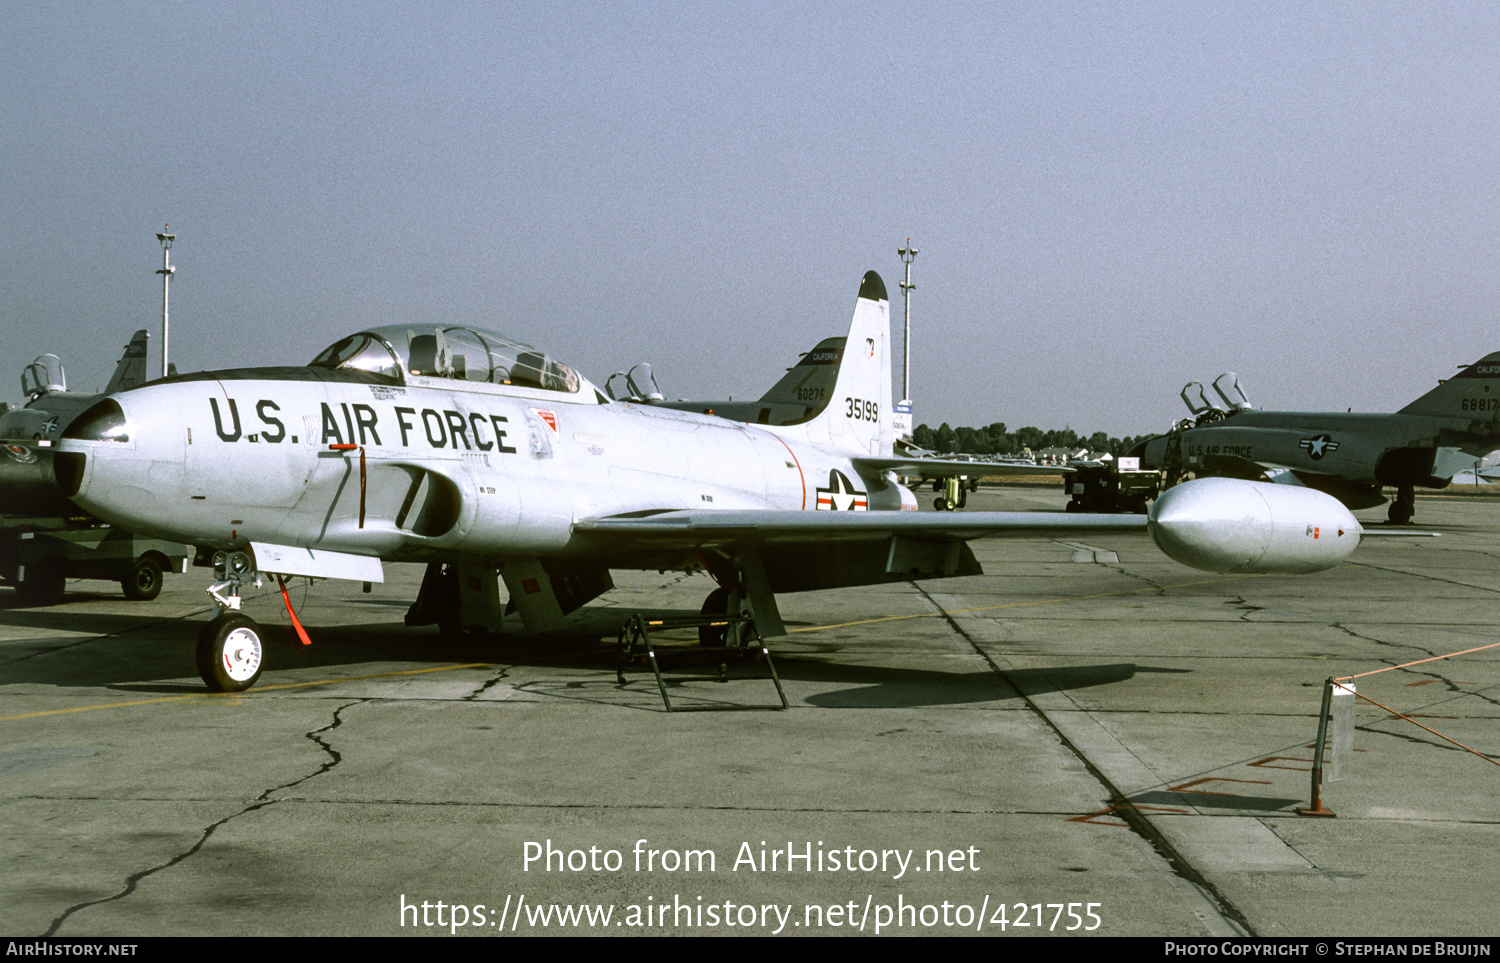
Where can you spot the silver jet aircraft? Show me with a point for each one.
(1351, 456)
(491, 461)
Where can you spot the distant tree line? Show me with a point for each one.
(995, 440)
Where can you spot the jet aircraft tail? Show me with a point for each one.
(810, 381)
(131, 368)
(857, 418)
(1472, 393)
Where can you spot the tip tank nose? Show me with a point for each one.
(1230, 525)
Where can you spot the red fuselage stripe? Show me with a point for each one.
(796, 461)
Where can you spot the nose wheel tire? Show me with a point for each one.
(144, 583)
(229, 653)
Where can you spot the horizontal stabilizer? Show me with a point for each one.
(944, 468)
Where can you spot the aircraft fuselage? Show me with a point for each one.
(1390, 449)
(224, 458)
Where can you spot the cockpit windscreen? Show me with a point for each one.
(463, 354)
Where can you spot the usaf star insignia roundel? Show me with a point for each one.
(1318, 446)
(840, 495)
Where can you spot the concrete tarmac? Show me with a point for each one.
(1088, 739)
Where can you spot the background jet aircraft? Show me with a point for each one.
(802, 392)
(1350, 456)
(805, 390)
(50, 406)
(490, 461)
(26, 484)
(45, 539)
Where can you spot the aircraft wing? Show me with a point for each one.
(695, 527)
(800, 551)
(805, 550)
(943, 467)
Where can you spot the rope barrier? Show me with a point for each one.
(1486, 758)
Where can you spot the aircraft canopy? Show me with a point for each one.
(435, 351)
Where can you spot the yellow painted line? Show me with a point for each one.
(1018, 605)
(358, 678)
(237, 695)
(107, 705)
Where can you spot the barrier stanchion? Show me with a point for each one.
(1316, 808)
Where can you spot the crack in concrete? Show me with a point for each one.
(259, 802)
(474, 696)
(1123, 808)
(1370, 638)
(1448, 684)
(1247, 609)
(1120, 568)
(1434, 578)
(1451, 687)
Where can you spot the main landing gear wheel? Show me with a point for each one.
(229, 653)
(144, 583)
(1403, 506)
(714, 636)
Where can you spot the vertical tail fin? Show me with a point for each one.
(131, 369)
(857, 421)
(810, 381)
(1473, 393)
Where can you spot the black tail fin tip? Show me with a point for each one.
(872, 288)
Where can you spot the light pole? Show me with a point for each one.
(166, 289)
(907, 255)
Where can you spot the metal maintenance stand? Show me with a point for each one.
(742, 641)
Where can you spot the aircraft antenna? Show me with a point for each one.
(165, 271)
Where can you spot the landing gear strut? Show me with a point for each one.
(229, 647)
(1403, 506)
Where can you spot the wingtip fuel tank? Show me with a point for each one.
(1229, 525)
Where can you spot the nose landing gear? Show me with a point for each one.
(229, 647)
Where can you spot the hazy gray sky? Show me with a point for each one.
(1110, 200)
